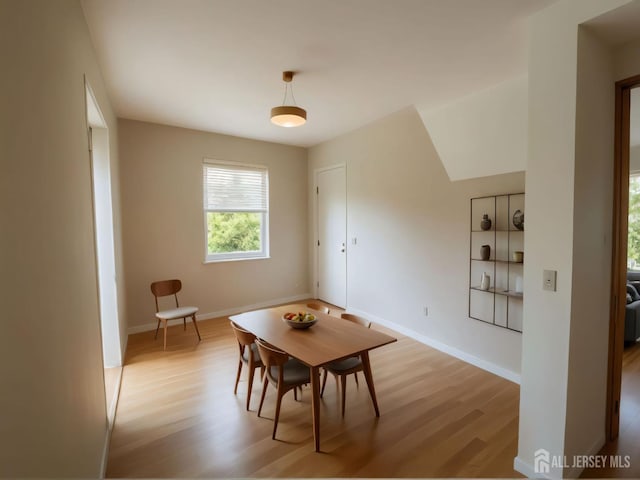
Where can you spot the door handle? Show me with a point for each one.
(342, 248)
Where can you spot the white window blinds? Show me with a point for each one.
(235, 188)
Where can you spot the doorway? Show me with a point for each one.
(623, 401)
(105, 250)
(331, 228)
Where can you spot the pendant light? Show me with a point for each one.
(288, 115)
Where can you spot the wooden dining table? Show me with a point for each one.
(330, 339)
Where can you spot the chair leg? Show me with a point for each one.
(324, 382)
(343, 381)
(264, 390)
(235, 389)
(277, 415)
(165, 334)
(355, 374)
(250, 387)
(184, 323)
(157, 328)
(295, 394)
(196, 325)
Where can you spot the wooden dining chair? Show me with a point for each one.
(284, 372)
(165, 288)
(343, 368)
(248, 355)
(318, 307)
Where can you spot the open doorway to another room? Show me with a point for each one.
(105, 251)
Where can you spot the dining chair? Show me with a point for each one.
(284, 372)
(343, 368)
(249, 355)
(166, 288)
(318, 307)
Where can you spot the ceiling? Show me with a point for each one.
(216, 65)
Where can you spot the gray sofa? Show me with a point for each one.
(632, 313)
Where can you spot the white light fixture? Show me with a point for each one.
(288, 115)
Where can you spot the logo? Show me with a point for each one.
(541, 461)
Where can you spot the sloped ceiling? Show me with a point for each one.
(216, 65)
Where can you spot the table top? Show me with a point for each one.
(328, 340)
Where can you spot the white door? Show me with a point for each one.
(332, 236)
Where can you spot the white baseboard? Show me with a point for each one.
(449, 350)
(570, 472)
(111, 416)
(223, 313)
(526, 469)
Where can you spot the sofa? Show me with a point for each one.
(632, 312)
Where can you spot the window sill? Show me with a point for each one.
(223, 260)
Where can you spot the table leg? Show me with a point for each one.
(366, 366)
(315, 404)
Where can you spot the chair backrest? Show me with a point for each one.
(164, 288)
(356, 319)
(244, 337)
(271, 357)
(318, 307)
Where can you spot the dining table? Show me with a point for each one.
(328, 340)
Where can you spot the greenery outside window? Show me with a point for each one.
(633, 245)
(236, 211)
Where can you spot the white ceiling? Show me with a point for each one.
(216, 65)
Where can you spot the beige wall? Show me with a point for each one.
(569, 223)
(163, 223)
(53, 402)
(591, 276)
(412, 229)
(493, 123)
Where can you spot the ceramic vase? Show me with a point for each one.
(485, 281)
(485, 223)
(485, 252)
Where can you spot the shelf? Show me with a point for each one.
(506, 293)
(497, 261)
(500, 305)
(515, 230)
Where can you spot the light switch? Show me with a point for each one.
(549, 280)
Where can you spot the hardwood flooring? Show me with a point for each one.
(628, 442)
(178, 417)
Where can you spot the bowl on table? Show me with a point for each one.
(300, 320)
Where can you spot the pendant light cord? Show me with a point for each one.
(290, 90)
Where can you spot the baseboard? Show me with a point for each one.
(526, 469)
(449, 350)
(575, 472)
(111, 416)
(570, 472)
(223, 313)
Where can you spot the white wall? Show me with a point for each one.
(493, 124)
(412, 229)
(556, 187)
(591, 277)
(626, 59)
(634, 158)
(163, 222)
(54, 420)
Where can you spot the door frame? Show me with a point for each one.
(316, 258)
(619, 252)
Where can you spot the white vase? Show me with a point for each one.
(518, 284)
(485, 281)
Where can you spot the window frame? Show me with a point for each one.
(263, 253)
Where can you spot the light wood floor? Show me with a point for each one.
(178, 417)
(628, 442)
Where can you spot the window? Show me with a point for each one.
(633, 245)
(236, 211)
